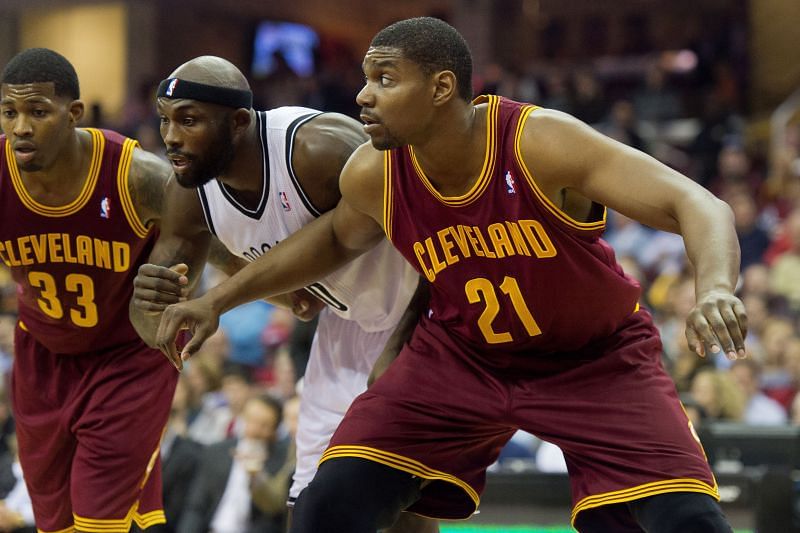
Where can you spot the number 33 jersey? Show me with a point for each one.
(374, 290)
(512, 276)
(74, 264)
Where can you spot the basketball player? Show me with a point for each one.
(532, 323)
(252, 178)
(90, 399)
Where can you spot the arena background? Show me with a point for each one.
(730, 85)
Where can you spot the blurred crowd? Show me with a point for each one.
(228, 449)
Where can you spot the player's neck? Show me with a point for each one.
(61, 182)
(452, 156)
(244, 173)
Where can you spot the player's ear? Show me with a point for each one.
(444, 86)
(240, 121)
(76, 109)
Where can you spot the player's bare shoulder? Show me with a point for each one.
(322, 147)
(147, 182)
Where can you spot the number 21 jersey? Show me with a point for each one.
(512, 276)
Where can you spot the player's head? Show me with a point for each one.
(39, 94)
(412, 67)
(204, 107)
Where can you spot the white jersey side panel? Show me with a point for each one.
(373, 290)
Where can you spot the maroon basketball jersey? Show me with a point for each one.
(513, 277)
(74, 264)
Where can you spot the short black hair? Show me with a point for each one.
(432, 44)
(42, 65)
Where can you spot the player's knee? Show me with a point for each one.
(354, 496)
(680, 512)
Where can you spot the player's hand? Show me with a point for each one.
(305, 306)
(717, 323)
(155, 287)
(198, 316)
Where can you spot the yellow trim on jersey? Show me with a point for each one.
(150, 519)
(644, 491)
(98, 145)
(70, 529)
(398, 462)
(565, 218)
(387, 193)
(123, 525)
(489, 160)
(120, 525)
(24, 328)
(123, 173)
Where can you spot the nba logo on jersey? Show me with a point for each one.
(510, 189)
(284, 201)
(172, 85)
(105, 207)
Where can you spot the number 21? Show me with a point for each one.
(481, 289)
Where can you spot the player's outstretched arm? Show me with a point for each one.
(175, 262)
(565, 154)
(318, 249)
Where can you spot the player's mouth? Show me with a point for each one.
(179, 163)
(24, 152)
(371, 124)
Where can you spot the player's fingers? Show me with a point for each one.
(699, 323)
(150, 270)
(165, 286)
(155, 296)
(171, 352)
(734, 332)
(199, 336)
(183, 270)
(149, 307)
(695, 344)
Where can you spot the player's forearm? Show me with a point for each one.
(145, 324)
(711, 244)
(307, 256)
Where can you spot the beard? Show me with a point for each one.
(212, 163)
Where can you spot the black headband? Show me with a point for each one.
(191, 90)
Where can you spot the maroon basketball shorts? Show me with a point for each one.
(441, 415)
(88, 429)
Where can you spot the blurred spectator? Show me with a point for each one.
(755, 280)
(626, 236)
(734, 171)
(588, 102)
(556, 92)
(785, 275)
(777, 334)
(753, 239)
(656, 101)
(219, 417)
(243, 326)
(284, 377)
(269, 491)
(622, 125)
(220, 498)
(718, 395)
(759, 408)
(16, 509)
(717, 125)
(179, 457)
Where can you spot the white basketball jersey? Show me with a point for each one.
(374, 290)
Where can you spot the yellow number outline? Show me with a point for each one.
(482, 290)
(82, 285)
